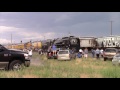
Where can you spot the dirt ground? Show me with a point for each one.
(36, 62)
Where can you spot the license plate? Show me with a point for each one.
(62, 57)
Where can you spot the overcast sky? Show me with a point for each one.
(33, 26)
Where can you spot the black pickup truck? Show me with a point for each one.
(11, 59)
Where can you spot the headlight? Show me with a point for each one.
(26, 56)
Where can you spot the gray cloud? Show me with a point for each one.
(26, 25)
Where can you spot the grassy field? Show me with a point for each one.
(79, 68)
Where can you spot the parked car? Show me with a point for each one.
(116, 59)
(65, 55)
(109, 53)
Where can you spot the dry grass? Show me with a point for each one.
(79, 68)
(84, 75)
(78, 61)
(98, 76)
(29, 76)
(12, 75)
(64, 74)
(97, 67)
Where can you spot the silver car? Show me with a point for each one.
(116, 59)
(109, 53)
(65, 55)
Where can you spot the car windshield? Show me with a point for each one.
(63, 52)
(110, 50)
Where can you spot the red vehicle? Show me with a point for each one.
(51, 55)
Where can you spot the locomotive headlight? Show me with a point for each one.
(73, 41)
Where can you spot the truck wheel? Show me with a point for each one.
(15, 65)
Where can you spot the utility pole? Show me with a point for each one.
(44, 37)
(69, 33)
(11, 40)
(111, 27)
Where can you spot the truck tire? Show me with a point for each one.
(15, 65)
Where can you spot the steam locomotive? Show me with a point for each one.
(70, 42)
